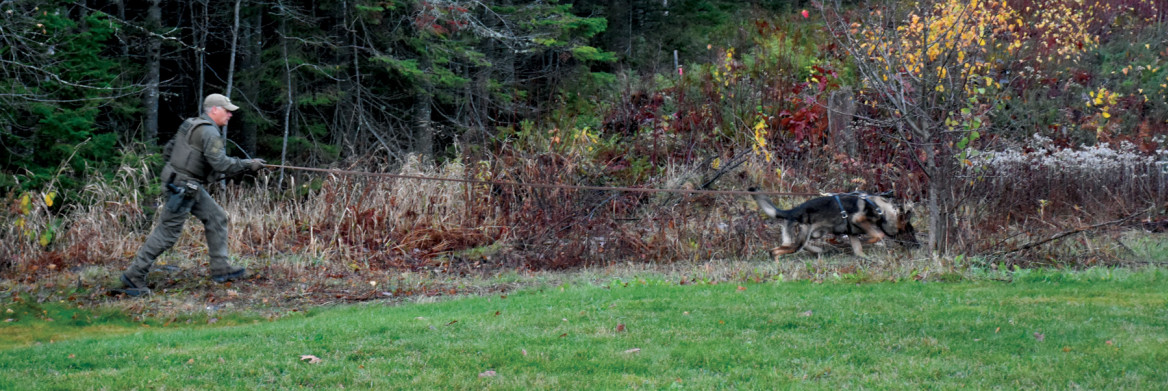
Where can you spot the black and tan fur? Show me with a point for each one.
(851, 214)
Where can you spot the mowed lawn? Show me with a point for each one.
(1089, 330)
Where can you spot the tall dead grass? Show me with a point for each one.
(337, 225)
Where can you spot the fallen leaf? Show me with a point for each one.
(191, 361)
(497, 313)
(563, 335)
(741, 288)
(1109, 343)
(487, 374)
(420, 318)
(633, 350)
(1039, 336)
(232, 292)
(1066, 349)
(310, 358)
(452, 322)
(72, 356)
(222, 361)
(620, 327)
(524, 351)
(997, 330)
(212, 320)
(808, 313)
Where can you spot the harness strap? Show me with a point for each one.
(843, 212)
(864, 196)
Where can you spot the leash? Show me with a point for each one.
(532, 185)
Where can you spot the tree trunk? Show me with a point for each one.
(231, 63)
(423, 132)
(288, 103)
(249, 59)
(201, 43)
(841, 108)
(153, 72)
(938, 200)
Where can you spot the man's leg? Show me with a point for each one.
(214, 220)
(165, 233)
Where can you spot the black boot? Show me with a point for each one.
(134, 287)
(230, 275)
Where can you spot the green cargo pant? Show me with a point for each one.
(170, 226)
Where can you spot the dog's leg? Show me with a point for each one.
(874, 233)
(856, 247)
(813, 248)
(781, 251)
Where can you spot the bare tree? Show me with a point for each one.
(924, 68)
(153, 72)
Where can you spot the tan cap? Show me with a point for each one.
(219, 100)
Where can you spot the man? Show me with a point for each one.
(194, 158)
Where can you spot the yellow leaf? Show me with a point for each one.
(49, 198)
(1106, 115)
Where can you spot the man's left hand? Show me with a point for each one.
(255, 164)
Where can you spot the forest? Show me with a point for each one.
(1020, 132)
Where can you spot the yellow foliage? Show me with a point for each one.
(975, 36)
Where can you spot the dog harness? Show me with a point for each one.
(863, 196)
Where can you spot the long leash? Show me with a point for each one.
(533, 185)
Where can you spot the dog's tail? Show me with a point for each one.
(767, 207)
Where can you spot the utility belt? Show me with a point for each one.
(182, 195)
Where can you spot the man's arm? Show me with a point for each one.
(216, 154)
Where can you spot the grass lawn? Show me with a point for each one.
(1097, 329)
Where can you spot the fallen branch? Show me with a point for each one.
(1069, 233)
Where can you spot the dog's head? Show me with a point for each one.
(896, 220)
(906, 234)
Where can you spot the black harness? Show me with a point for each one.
(863, 196)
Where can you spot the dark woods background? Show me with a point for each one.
(85, 82)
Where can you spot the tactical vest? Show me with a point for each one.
(184, 153)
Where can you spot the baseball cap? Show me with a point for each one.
(219, 100)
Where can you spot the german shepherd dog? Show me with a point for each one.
(851, 214)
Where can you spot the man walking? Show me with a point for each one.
(194, 157)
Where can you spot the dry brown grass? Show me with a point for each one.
(333, 238)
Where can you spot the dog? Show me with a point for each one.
(851, 214)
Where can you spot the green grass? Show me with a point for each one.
(1098, 329)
